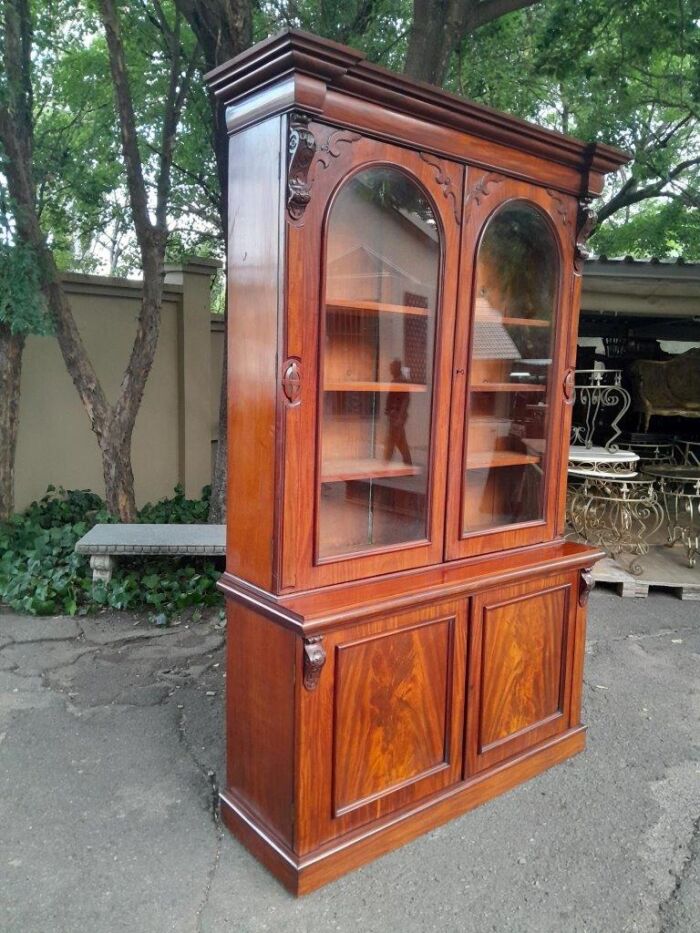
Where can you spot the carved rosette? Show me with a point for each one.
(442, 177)
(302, 148)
(585, 586)
(314, 659)
(291, 381)
(586, 224)
(481, 190)
(305, 156)
(569, 386)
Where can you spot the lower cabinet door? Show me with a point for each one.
(520, 664)
(384, 725)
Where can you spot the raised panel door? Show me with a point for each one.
(520, 668)
(384, 726)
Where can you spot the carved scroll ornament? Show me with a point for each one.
(480, 191)
(442, 177)
(560, 206)
(314, 659)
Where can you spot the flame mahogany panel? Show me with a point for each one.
(520, 675)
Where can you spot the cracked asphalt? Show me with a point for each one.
(111, 744)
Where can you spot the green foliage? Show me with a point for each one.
(177, 510)
(624, 73)
(665, 230)
(41, 574)
(22, 307)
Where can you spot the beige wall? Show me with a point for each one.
(173, 433)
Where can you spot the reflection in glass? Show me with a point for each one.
(382, 260)
(508, 408)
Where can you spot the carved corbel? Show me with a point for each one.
(302, 148)
(586, 584)
(306, 155)
(586, 224)
(314, 659)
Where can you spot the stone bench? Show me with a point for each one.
(106, 543)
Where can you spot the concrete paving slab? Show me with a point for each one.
(108, 766)
(30, 628)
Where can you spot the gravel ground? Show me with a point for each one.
(111, 740)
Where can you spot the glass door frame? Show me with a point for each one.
(344, 154)
(485, 193)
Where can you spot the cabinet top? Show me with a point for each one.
(295, 69)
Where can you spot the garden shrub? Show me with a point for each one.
(41, 574)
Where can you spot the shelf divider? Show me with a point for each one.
(374, 387)
(507, 387)
(374, 307)
(499, 458)
(336, 471)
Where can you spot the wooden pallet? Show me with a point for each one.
(663, 568)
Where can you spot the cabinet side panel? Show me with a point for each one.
(253, 293)
(260, 717)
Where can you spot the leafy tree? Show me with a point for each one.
(21, 313)
(624, 73)
(28, 164)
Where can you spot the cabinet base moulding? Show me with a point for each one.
(303, 874)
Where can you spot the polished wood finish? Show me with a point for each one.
(253, 387)
(304, 874)
(406, 626)
(520, 669)
(260, 717)
(385, 727)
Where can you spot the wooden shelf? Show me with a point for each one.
(337, 471)
(507, 387)
(514, 321)
(499, 458)
(374, 387)
(374, 307)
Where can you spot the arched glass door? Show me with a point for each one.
(509, 389)
(378, 329)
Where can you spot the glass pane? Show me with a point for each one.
(511, 363)
(382, 261)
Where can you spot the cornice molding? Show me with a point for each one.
(345, 70)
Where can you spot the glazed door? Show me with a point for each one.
(372, 251)
(383, 726)
(513, 344)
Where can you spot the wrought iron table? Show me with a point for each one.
(609, 505)
(602, 462)
(680, 493)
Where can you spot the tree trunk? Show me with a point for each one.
(433, 37)
(115, 448)
(11, 349)
(440, 25)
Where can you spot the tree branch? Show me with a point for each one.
(489, 10)
(127, 123)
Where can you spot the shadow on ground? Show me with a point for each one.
(111, 741)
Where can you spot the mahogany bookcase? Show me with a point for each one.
(405, 622)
